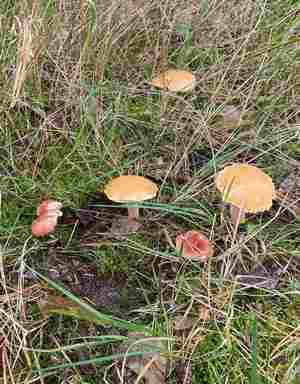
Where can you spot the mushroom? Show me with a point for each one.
(175, 80)
(48, 212)
(246, 188)
(129, 189)
(48, 205)
(44, 225)
(194, 245)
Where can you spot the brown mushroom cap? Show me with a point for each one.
(124, 189)
(175, 80)
(246, 187)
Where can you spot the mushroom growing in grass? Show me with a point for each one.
(175, 80)
(48, 212)
(130, 189)
(194, 245)
(246, 188)
(44, 225)
(47, 206)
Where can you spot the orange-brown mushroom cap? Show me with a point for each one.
(246, 187)
(130, 188)
(175, 80)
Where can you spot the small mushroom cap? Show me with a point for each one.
(48, 205)
(44, 225)
(194, 245)
(130, 188)
(175, 80)
(246, 187)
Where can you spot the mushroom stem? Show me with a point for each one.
(237, 215)
(133, 213)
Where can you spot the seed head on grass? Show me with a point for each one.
(27, 53)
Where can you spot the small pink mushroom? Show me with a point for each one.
(48, 212)
(194, 245)
(44, 225)
(48, 205)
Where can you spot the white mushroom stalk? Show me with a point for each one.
(237, 215)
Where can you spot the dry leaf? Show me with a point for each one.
(261, 277)
(231, 116)
(183, 323)
(106, 291)
(123, 226)
(227, 121)
(60, 305)
(151, 366)
(289, 191)
(199, 158)
(183, 372)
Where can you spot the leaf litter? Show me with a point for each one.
(183, 372)
(261, 277)
(99, 219)
(151, 366)
(289, 191)
(106, 291)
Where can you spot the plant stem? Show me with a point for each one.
(133, 213)
(237, 215)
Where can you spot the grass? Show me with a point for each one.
(77, 109)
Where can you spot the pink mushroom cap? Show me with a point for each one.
(48, 205)
(44, 225)
(194, 245)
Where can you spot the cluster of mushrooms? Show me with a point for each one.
(244, 187)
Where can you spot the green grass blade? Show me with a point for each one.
(96, 360)
(253, 372)
(94, 315)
